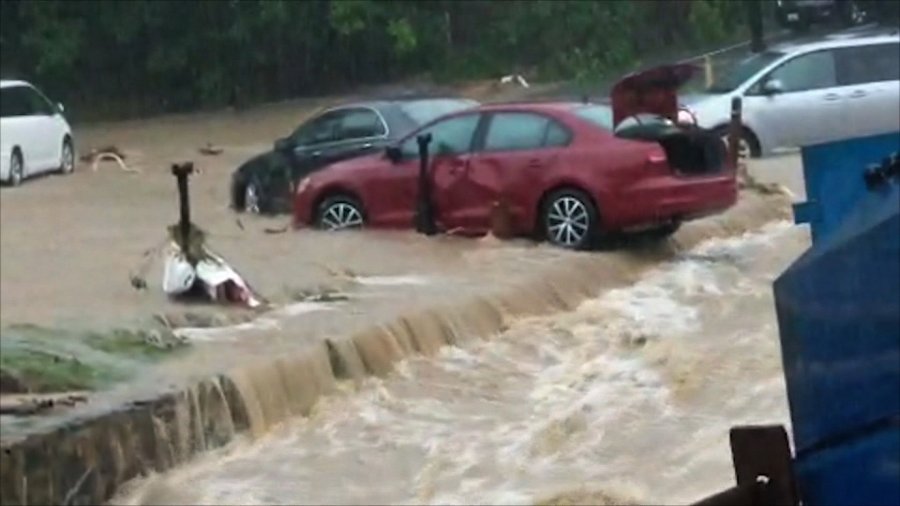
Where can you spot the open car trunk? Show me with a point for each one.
(645, 107)
(690, 150)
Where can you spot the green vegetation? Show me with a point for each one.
(50, 360)
(114, 58)
(47, 372)
(135, 344)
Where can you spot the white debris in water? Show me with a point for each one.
(299, 308)
(268, 321)
(393, 280)
(227, 333)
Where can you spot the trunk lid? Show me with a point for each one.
(650, 91)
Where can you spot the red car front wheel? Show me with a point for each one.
(340, 212)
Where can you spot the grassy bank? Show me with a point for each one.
(39, 360)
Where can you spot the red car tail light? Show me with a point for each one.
(657, 161)
(656, 158)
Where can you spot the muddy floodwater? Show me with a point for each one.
(628, 398)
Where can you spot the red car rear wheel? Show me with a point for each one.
(570, 219)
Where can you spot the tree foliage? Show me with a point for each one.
(138, 56)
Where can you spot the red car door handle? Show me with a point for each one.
(457, 168)
(534, 164)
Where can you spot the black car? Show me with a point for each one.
(264, 183)
(800, 14)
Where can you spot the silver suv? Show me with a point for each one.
(841, 86)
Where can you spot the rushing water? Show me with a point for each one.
(627, 398)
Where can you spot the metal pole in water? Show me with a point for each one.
(424, 208)
(181, 172)
(735, 128)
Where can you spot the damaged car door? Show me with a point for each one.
(518, 150)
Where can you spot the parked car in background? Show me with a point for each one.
(800, 14)
(793, 95)
(34, 135)
(264, 183)
(564, 170)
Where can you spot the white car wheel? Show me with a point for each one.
(16, 169)
(67, 160)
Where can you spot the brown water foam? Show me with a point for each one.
(87, 461)
(269, 390)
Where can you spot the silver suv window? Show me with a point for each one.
(811, 71)
(730, 79)
(868, 64)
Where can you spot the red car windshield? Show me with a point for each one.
(598, 114)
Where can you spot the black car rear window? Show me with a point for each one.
(424, 111)
(598, 114)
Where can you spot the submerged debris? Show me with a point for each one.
(279, 230)
(210, 150)
(30, 404)
(138, 283)
(11, 383)
(321, 294)
(111, 153)
(194, 271)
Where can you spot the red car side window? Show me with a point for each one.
(515, 131)
(452, 136)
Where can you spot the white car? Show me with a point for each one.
(842, 86)
(34, 135)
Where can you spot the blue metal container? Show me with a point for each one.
(832, 174)
(838, 311)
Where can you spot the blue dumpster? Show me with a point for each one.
(838, 310)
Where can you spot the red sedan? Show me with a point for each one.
(567, 172)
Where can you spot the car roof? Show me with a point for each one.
(8, 83)
(859, 37)
(538, 106)
(381, 103)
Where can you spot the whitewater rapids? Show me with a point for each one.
(627, 399)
